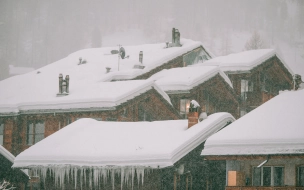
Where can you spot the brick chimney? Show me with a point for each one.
(193, 113)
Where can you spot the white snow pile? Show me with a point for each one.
(186, 78)
(120, 147)
(276, 127)
(101, 95)
(244, 61)
(195, 104)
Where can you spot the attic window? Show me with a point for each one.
(184, 107)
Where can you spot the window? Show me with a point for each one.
(35, 132)
(1, 133)
(184, 107)
(300, 176)
(243, 112)
(246, 86)
(268, 176)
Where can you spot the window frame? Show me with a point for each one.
(34, 132)
(272, 174)
(298, 176)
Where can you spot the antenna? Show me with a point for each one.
(121, 54)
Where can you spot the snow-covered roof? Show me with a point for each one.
(28, 96)
(19, 70)
(276, 127)
(92, 143)
(40, 87)
(244, 61)
(186, 78)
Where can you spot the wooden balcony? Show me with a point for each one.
(263, 188)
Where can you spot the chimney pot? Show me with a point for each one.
(60, 83)
(141, 55)
(67, 80)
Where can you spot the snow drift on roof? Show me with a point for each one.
(186, 78)
(244, 61)
(23, 97)
(276, 127)
(88, 142)
(42, 84)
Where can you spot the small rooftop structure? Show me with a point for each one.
(274, 128)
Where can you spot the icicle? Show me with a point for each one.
(132, 171)
(112, 176)
(122, 176)
(75, 176)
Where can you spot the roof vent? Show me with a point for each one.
(64, 85)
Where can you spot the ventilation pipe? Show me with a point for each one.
(67, 80)
(141, 55)
(60, 83)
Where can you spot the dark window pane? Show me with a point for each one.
(278, 176)
(30, 132)
(1, 129)
(266, 176)
(256, 176)
(301, 176)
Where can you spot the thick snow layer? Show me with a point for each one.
(40, 87)
(27, 96)
(186, 78)
(243, 61)
(276, 127)
(91, 143)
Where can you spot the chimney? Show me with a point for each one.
(173, 35)
(141, 55)
(63, 85)
(67, 80)
(177, 38)
(193, 113)
(60, 83)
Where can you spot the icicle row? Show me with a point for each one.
(95, 175)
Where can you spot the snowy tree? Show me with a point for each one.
(5, 185)
(255, 42)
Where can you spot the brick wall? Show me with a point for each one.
(214, 95)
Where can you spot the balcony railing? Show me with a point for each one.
(263, 188)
